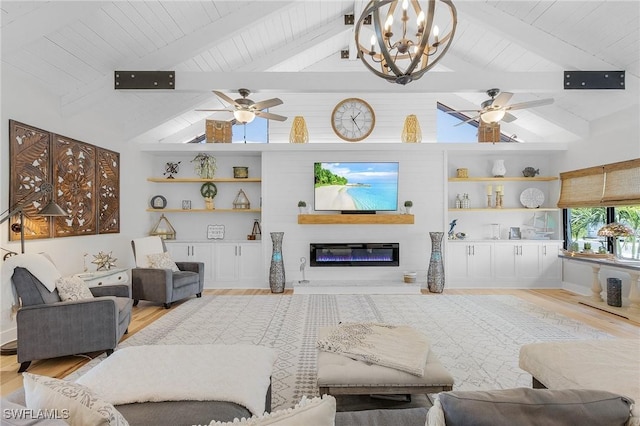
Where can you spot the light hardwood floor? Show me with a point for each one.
(560, 301)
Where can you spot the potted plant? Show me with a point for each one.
(205, 165)
(302, 206)
(587, 247)
(407, 206)
(208, 190)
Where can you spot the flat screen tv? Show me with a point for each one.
(356, 187)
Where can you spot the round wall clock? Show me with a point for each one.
(353, 119)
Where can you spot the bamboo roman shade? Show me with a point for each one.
(614, 184)
(622, 183)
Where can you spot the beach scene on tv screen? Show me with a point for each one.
(356, 186)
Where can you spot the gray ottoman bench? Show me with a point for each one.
(340, 375)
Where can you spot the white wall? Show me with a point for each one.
(28, 103)
(289, 178)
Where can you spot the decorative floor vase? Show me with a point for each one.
(435, 274)
(276, 271)
(614, 292)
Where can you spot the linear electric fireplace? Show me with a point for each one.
(354, 254)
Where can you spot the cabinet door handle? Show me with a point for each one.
(193, 250)
(515, 250)
(473, 250)
(544, 250)
(239, 250)
(235, 250)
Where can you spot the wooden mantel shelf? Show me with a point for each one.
(355, 219)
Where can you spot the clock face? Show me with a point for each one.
(353, 119)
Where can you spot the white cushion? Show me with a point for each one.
(146, 246)
(607, 364)
(72, 288)
(38, 264)
(315, 411)
(162, 261)
(71, 400)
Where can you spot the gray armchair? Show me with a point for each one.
(162, 285)
(48, 327)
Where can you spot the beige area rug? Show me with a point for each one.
(477, 337)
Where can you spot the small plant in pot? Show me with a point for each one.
(205, 165)
(302, 206)
(208, 190)
(408, 205)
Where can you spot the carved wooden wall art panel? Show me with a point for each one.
(29, 167)
(108, 187)
(74, 175)
(85, 179)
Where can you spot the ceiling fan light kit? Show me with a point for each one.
(407, 41)
(497, 108)
(245, 110)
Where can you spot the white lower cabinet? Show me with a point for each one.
(517, 261)
(505, 263)
(226, 264)
(469, 262)
(238, 264)
(193, 252)
(550, 263)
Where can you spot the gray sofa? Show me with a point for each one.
(48, 327)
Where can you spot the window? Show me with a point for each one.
(582, 225)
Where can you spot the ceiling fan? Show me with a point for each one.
(245, 110)
(497, 108)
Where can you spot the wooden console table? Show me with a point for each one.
(631, 307)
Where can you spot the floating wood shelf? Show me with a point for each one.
(355, 219)
(194, 179)
(505, 179)
(205, 210)
(539, 209)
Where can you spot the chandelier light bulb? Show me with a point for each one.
(388, 24)
(420, 21)
(436, 33)
(373, 43)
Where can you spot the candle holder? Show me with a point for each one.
(498, 200)
(489, 203)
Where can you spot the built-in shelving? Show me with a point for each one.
(194, 180)
(505, 179)
(205, 210)
(355, 219)
(539, 209)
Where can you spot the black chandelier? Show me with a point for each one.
(404, 43)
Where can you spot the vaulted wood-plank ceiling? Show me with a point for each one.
(293, 47)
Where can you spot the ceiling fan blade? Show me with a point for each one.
(530, 104)
(214, 110)
(502, 99)
(463, 110)
(467, 121)
(267, 104)
(226, 98)
(270, 116)
(508, 118)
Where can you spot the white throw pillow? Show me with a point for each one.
(72, 288)
(315, 411)
(75, 402)
(162, 261)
